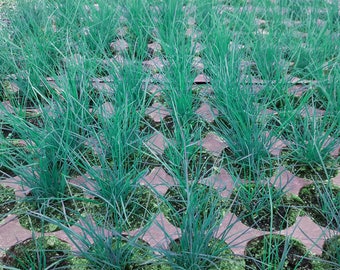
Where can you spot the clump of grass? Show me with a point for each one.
(271, 67)
(198, 212)
(202, 253)
(217, 52)
(277, 252)
(310, 148)
(125, 252)
(45, 252)
(139, 19)
(121, 202)
(129, 82)
(179, 52)
(31, 24)
(49, 159)
(241, 127)
(323, 203)
(260, 205)
(9, 149)
(100, 248)
(240, 122)
(201, 164)
(178, 201)
(120, 199)
(45, 170)
(50, 153)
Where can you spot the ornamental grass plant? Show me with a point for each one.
(323, 200)
(140, 28)
(240, 122)
(241, 125)
(179, 50)
(310, 147)
(44, 252)
(119, 145)
(260, 204)
(52, 151)
(277, 252)
(46, 167)
(198, 211)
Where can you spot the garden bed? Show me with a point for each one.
(86, 88)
